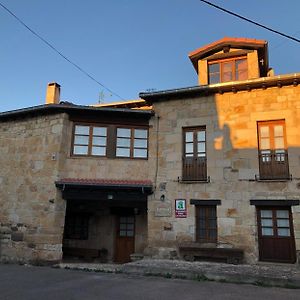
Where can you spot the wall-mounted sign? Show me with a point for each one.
(180, 208)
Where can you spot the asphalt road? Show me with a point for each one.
(43, 283)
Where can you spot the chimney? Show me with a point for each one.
(53, 93)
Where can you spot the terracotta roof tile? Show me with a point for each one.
(112, 182)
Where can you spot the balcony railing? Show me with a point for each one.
(273, 164)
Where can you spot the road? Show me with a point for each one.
(43, 283)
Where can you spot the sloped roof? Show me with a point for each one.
(242, 43)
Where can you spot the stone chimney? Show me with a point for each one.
(53, 93)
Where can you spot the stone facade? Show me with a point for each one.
(232, 163)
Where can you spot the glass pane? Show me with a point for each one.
(80, 150)
(212, 223)
(283, 223)
(130, 233)
(98, 151)
(279, 143)
(212, 234)
(122, 233)
(267, 222)
(142, 153)
(214, 68)
(122, 226)
(123, 142)
(212, 212)
(201, 154)
(140, 133)
(264, 131)
(123, 152)
(201, 147)
(266, 213)
(130, 226)
(282, 214)
(140, 143)
(82, 129)
(189, 137)
(201, 223)
(214, 78)
(278, 130)
(81, 139)
(283, 232)
(123, 132)
(227, 71)
(265, 143)
(189, 155)
(241, 69)
(201, 136)
(267, 231)
(99, 141)
(202, 233)
(130, 219)
(102, 131)
(189, 148)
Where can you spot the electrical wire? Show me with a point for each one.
(59, 52)
(250, 21)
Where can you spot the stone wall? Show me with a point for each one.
(232, 163)
(32, 211)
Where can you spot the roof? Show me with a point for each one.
(134, 104)
(69, 108)
(105, 183)
(233, 86)
(241, 43)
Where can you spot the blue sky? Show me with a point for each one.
(128, 45)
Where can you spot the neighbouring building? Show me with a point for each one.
(204, 172)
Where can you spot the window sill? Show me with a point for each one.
(194, 181)
(290, 178)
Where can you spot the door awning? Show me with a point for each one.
(143, 186)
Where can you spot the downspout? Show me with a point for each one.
(157, 151)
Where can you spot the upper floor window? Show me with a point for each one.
(227, 70)
(89, 140)
(111, 141)
(273, 155)
(194, 156)
(132, 142)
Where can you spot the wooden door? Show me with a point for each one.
(124, 238)
(206, 224)
(276, 234)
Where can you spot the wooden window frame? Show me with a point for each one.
(274, 165)
(132, 138)
(90, 142)
(233, 68)
(111, 140)
(207, 229)
(194, 168)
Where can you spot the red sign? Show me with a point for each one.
(180, 208)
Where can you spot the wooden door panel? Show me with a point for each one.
(124, 238)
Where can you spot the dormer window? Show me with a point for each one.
(227, 70)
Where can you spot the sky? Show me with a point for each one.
(130, 46)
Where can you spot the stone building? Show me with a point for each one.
(204, 172)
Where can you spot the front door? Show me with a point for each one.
(276, 234)
(124, 238)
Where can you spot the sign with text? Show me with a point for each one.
(180, 208)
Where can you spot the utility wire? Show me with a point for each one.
(59, 53)
(250, 21)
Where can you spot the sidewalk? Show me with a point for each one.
(261, 274)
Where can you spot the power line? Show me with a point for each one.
(58, 52)
(250, 21)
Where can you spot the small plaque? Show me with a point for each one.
(180, 208)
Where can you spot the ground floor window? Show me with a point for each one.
(77, 226)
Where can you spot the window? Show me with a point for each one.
(194, 157)
(89, 140)
(272, 152)
(77, 227)
(132, 142)
(111, 141)
(206, 224)
(227, 70)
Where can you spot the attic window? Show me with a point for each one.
(227, 70)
